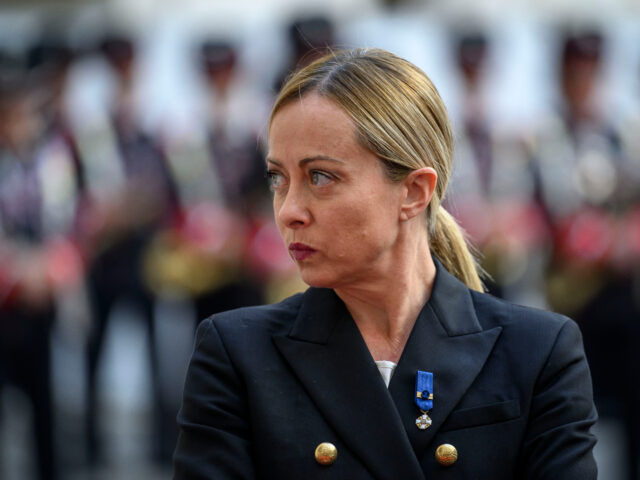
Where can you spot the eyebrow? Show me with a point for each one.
(307, 160)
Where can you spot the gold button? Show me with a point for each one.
(446, 454)
(326, 453)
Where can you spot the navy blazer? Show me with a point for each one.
(266, 385)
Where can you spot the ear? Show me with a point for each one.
(420, 185)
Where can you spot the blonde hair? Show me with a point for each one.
(400, 117)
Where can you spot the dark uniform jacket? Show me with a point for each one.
(266, 385)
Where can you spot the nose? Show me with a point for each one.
(292, 210)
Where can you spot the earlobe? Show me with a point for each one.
(420, 186)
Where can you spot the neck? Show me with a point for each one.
(385, 309)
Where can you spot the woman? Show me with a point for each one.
(359, 157)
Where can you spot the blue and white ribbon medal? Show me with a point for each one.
(424, 398)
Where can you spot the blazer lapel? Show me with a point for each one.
(448, 341)
(331, 360)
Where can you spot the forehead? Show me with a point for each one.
(312, 125)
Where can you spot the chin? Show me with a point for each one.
(318, 279)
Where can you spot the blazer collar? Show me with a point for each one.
(448, 341)
(450, 301)
(331, 360)
(329, 356)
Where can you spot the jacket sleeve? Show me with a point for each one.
(213, 420)
(558, 444)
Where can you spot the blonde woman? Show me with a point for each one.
(394, 364)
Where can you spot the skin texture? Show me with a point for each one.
(368, 232)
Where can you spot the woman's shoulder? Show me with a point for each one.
(522, 320)
(271, 319)
(535, 340)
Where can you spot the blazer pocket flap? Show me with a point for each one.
(483, 415)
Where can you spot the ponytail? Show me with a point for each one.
(448, 242)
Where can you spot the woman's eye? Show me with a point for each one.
(320, 179)
(274, 179)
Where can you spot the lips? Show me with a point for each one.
(300, 251)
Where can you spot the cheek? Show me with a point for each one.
(276, 208)
(361, 233)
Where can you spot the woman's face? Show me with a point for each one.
(336, 210)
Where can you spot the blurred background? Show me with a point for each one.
(133, 202)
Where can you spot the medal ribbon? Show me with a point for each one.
(424, 390)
